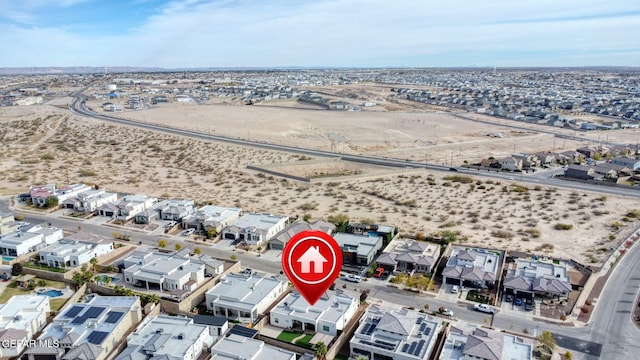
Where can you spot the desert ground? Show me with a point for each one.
(44, 144)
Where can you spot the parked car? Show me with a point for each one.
(188, 232)
(518, 302)
(353, 278)
(455, 289)
(508, 298)
(379, 272)
(529, 305)
(484, 308)
(445, 312)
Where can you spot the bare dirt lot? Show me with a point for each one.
(45, 144)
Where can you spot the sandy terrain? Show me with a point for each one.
(47, 144)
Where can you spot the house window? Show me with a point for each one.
(276, 320)
(325, 328)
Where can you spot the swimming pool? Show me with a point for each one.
(7, 258)
(114, 279)
(51, 293)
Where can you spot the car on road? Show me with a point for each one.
(518, 302)
(455, 289)
(445, 312)
(453, 169)
(484, 308)
(353, 278)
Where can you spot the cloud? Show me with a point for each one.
(352, 33)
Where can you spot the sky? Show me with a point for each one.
(325, 33)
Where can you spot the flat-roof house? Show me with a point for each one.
(22, 317)
(234, 347)
(329, 315)
(472, 267)
(70, 191)
(211, 217)
(88, 330)
(358, 249)
(255, 229)
(23, 242)
(172, 209)
(218, 325)
(127, 207)
(89, 201)
(484, 344)
(543, 278)
(160, 271)
(75, 250)
(279, 240)
(167, 337)
(244, 297)
(409, 255)
(395, 334)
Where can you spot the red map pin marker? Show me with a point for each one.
(312, 261)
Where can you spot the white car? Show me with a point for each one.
(484, 308)
(353, 278)
(188, 232)
(446, 312)
(455, 289)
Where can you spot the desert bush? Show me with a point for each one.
(535, 233)
(561, 226)
(459, 178)
(503, 234)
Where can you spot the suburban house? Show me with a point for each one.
(127, 208)
(172, 209)
(358, 249)
(545, 158)
(23, 242)
(631, 163)
(587, 152)
(212, 266)
(409, 255)
(329, 315)
(581, 172)
(89, 201)
(211, 217)
(279, 240)
(235, 347)
(167, 337)
(542, 278)
(160, 271)
(7, 222)
(70, 191)
(88, 330)
(527, 160)
(484, 344)
(510, 163)
(387, 232)
(21, 318)
(395, 334)
(75, 250)
(255, 229)
(218, 325)
(243, 298)
(40, 193)
(473, 267)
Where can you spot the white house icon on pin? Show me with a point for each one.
(312, 255)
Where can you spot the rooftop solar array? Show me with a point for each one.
(97, 337)
(380, 344)
(370, 327)
(113, 317)
(94, 312)
(75, 310)
(243, 331)
(425, 329)
(413, 348)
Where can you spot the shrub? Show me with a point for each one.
(459, 178)
(560, 226)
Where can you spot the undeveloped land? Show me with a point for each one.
(45, 144)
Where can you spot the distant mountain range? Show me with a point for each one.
(133, 69)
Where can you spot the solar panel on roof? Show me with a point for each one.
(405, 347)
(419, 348)
(97, 337)
(94, 312)
(113, 317)
(75, 310)
(78, 320)
(243, 331)
(427, 331)
(412, 347)
(365, 329)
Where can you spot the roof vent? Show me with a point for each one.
(181, 336)
(159, 331)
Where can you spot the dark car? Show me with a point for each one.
(453, 169)
(508, 298)
(518, 302)
(529, 305)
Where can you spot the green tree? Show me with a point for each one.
(211, 233)
(106, 280)
(306, 217)
(51, 202)
(321, 350)
(547, 340)
(568, 355)
(162, 243)
(341, 221)
(93, 262)
(233, 257)
(197, 251)
(16, 269)
(597, 156)
(178, 246)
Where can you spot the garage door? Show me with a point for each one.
(276, 246)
